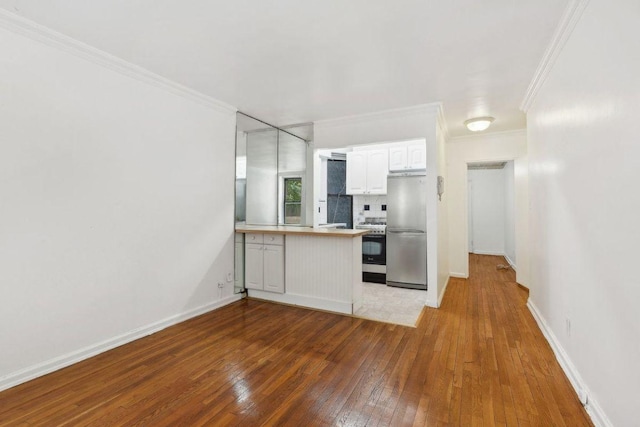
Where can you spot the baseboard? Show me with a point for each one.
(511, 263)
(444, 289)
(488, 253)
(303, 301)
(592, 407)
(458, 275)
(68, 359)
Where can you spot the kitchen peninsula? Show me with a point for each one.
(312, 267)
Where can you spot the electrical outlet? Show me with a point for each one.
(220, 285)
(567, 323)
(229, 277)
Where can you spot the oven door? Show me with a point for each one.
(374, 249)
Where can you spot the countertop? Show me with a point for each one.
(304, 231)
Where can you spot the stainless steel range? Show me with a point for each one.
(374, 250)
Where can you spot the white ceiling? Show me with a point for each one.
(292, 61)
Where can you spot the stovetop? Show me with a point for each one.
(375, 225)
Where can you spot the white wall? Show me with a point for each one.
(521, 220)
(396, 125)
(443, 214)
(479, 148)
(488, 215)
(584, 175)
(117, 205)
(510, 213)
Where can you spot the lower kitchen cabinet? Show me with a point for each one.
(264, 263)
(274, 268)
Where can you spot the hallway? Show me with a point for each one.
(478, 360)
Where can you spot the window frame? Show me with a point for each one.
(281, 196)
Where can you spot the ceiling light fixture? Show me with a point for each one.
(479, 123)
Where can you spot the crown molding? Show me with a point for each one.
(380, 115)
(568, 22)
(34, 31)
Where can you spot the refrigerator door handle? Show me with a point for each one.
(405, 231)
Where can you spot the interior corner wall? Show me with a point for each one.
(584, 178)
(479, 148)
(117, 207)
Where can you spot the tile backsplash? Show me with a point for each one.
(375, 207)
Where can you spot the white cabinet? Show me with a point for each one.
(273, 278)
(264, 262)
(254, 266)
(408, 157)
(367, 171)
(397, 158)
(417, 156)
(357, 172)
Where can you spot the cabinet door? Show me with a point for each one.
(377, 170)
(417, 156)
(274, 268)
(397, 158)
(357, 172)
(254, 265)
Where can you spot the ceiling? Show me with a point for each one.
(294, 61)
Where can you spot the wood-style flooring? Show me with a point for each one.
(478, 360)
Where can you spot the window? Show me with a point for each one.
(292, 200)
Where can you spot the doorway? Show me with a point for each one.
(491, 209)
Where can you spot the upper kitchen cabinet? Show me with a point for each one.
(367, 171)
(408, 157)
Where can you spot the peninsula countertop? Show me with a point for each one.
(304, 231)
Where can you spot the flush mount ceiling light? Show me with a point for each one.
(479, 123)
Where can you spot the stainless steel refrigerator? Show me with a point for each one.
(406, 230)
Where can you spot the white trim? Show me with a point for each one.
(48, 366)
(488, 253)
(459, 275)
(19, 25)
(380, 115)
(303, 301)
(511, 263)
(568, 22)
(443, 291)
(594, 410)
(281, 177)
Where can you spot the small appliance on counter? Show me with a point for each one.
(406, 264)
(374, 252)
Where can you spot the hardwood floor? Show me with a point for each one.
(478, 360)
